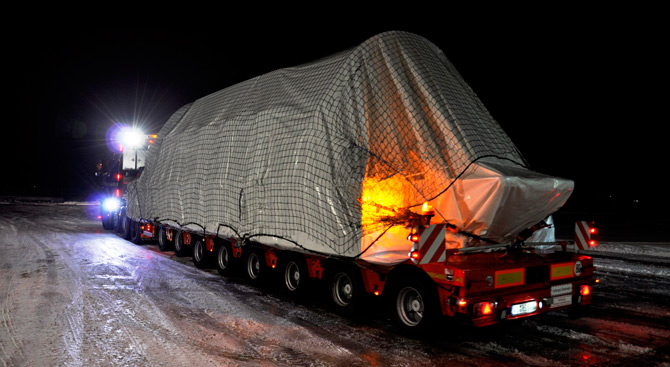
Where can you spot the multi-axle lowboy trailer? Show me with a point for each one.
(486, 285)
(376, 171)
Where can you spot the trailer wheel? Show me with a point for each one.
(124, 226)
(294, 274)
(135, 232)
(415, 306)
(200, 255)
(118, 222)
(108, 221)
(253, 265)
(180, 249)
(224, 258)
(346, 290)
(163, 242)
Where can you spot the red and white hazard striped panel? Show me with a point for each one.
(582, 235)
(431, 244)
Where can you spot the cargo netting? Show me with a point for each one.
(320, 155)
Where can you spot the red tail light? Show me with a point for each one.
(414, 255)
(118, 193)
(592, 243)
(585, 290)
(414, 237)
(118, 177)
(484, 308)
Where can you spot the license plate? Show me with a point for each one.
(524, 308)
(561, 300)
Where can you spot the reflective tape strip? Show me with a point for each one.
(431, 244)
(561, 271)
(509, 278)
(582, 235)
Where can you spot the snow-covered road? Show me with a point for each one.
(72, 294)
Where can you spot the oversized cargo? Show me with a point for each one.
(376, 172)
(335, 156)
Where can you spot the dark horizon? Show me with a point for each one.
(576, 102)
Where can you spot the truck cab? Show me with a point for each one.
(124, 166)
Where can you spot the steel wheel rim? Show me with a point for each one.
(410, 306)
(177, 242)
(342, 289)
(253, 265)
(292, 276)
(222, 257)
(197, 251)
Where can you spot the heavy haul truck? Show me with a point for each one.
(376, 172)
(125, 165)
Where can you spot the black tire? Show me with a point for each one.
(415, 309)
(294, 274)
(118, 222)
(124, 225)
(135, 232)
(108, 221)
(346, 290)
(201, 256)
(180, 249)
(223, 258)
(163, 243)
(254, 265)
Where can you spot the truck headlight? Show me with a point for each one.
(111, 204)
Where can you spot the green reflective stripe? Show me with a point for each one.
(561, 271)
(509, 278)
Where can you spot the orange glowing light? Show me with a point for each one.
(486, 309)
(585, 290)
(462, 302)
(427, 208)
(414, 255)
(381, 199)
(118, 192)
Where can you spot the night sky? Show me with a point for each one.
(578, 92)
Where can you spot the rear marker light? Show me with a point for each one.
(414, 255)
(414, 237)
(585, 290)
(462, 302)
(118, 193)
(484, 308)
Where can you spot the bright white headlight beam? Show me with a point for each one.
(132, 137)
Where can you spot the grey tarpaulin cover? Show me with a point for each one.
(327, 157)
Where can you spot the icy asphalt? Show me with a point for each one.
(72, 294)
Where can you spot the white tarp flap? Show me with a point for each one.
(329, 157)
